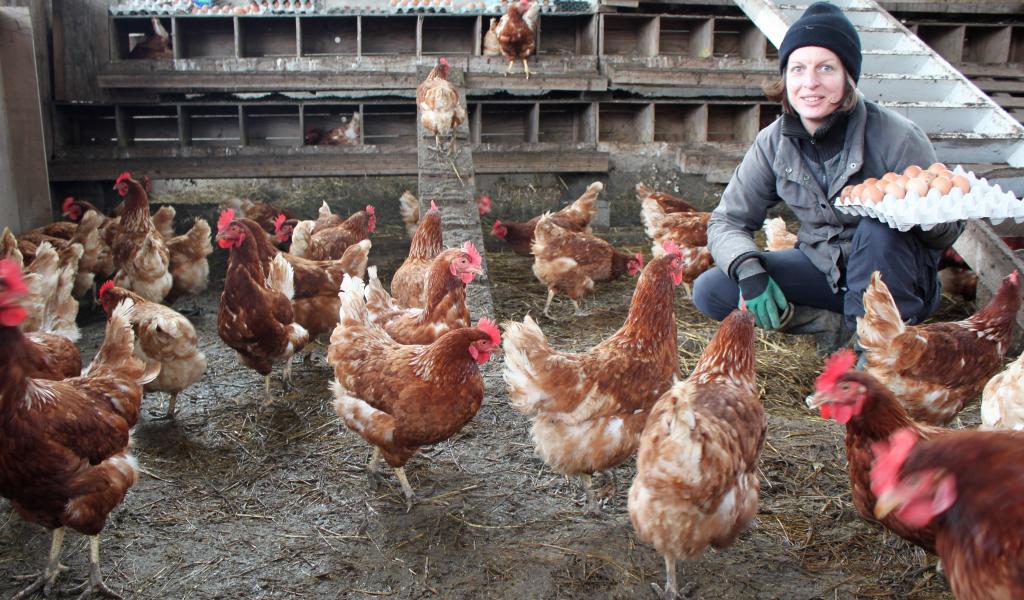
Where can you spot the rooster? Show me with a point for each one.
(570, 263)
(589, 408)
(140, 254)
(409, 284)
(934, 369)
(441, 113)
(64, 461)
(871, 413)
(696, 471)
(668, 203)
(256, 317)
(968, 486)
(162, 337)
(445, 308)
(575, 217)
(776, 236)
(401, 397)
(517, 33)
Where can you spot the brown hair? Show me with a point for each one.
(776, 92)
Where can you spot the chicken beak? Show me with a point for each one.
(816, 400)
(889, 501)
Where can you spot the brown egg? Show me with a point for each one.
(872, 193)
(912, 171)
(917, 185)
(870, 181)
(961, 182)
(889, 177)
(927, 176)
(936, 168)
(895, 189)
(846, 192)
(241, 10)
(858, 191)
(902, 180)
(942, 184)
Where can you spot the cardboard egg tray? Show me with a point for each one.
(984, 201)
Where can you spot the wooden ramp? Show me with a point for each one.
(449, 181)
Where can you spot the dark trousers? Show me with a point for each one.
(908, 267)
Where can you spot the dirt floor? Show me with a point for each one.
(237, 500)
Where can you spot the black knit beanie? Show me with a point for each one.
(824, 25)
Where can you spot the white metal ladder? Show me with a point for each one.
(902, 73)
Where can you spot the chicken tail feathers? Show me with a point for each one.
(881, 322)
(281, 276)
(118, 344)
(524, 344)
(409, 206)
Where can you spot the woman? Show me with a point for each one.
(827, 138)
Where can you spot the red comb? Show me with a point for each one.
(67, 204)
(889, 458)
(278, 221)
(370, 210)
(490, 328)
(225, 219)
(474, 256)
(671, 247)
(106, 286)
(433, 205)
(1015, 277)
(835, 365)
(442, 61)
(640, 259)
(10, 273)
(122, 177)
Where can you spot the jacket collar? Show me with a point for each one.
(789, 164)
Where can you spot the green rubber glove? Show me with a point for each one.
(763, 298)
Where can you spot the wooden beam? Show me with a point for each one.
(449, 179)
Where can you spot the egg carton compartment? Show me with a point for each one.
(983, 201)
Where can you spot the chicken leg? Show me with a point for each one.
(95, 585)
(526, 68)
(410, 496)
(50, 572)
(372, 474)
(551, 294)
(671, 591)
(511, 64)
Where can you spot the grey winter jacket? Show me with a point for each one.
(774, 170)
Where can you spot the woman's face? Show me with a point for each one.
(815, 84)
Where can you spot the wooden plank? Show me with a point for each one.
(86, 47)
(989, 257)
(23, 151)
(995, 87)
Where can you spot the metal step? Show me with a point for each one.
(901, 72)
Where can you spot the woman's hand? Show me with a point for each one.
(763, 298)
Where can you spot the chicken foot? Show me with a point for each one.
(95, 585)
(172, 405)
(50, 571)
(526, 68)
(511, 64)
(410, 496)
